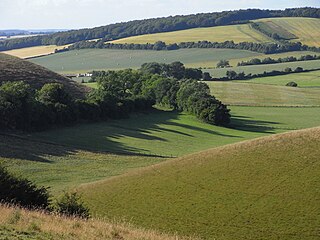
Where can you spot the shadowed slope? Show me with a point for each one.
(16, 69)
(260, 189)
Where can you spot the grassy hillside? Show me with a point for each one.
(64, 158)
(305, 80)
(236, 33)
(33, 51)
(16, 69)
(23, 225)
(103, 59)
(262, 189)
(307, 30)
(247, 93)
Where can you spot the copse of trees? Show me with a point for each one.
(156, 25)
(119, 93)
(268, 60)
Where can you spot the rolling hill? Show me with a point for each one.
(266, 188)
(16, 69)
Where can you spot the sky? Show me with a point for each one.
(74, 14)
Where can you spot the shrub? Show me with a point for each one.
(292, 84)
(70, 204)
(16, 190)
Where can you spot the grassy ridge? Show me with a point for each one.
(22, 224)
(246, 93)
(306, 29)
(236, 33)
(260, 189)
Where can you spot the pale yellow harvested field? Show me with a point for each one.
(306, 29)
(34, 51)
(237, 33)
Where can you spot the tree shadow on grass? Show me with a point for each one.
(248, 124)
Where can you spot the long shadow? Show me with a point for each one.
(104, 137)
(248, 124)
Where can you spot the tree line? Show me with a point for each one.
(268, 60)
(119, 94)
(156, 25)
(266, 48)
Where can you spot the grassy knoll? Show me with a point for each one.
(237, 33)
(235, 93)
(100, 59)
(305, 80)
(15, 69)
(255, 69)
(306, 29)
(103, 59)
(33, 51)
(26, 225)
(262, 189)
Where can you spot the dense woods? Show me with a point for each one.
(119, 94)
(156, 25)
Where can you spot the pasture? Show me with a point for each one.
(266, 188)
(81, 61)
(304, 80)
(306, 29)
(236, 33)
(64, 158)
(239, 93)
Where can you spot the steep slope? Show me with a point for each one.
(267, 188)
(16, 69)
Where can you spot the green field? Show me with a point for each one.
(261, 189)
(81, 61)
(101, 59)
(237, 33)
(304, 80)
(306, 29)
(270, 27)
(80, 154)
(256, 69)
(237, 93)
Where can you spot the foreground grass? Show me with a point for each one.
(260, 189)
(239, 93)
(236, 33)
(21, 224)
(305, 80)
(91, 152)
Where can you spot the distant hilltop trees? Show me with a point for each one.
(157, 25)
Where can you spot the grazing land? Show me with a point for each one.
(236, 33)
(31, 52)
(21, 224)
(81, 61)
(66, 157)
(304, 80)
(266, 188)
(307, 30)
(235, 93)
